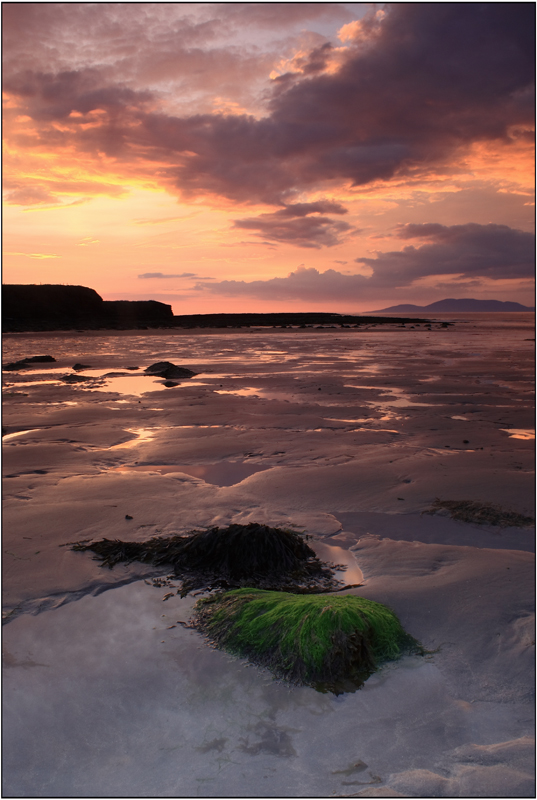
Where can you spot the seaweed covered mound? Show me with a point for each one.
(331, 643)
(480, 513)
(239, 555)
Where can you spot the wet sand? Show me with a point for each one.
(347, 434)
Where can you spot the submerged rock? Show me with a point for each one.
(480, 513)
(240, 555)
(331, 643)
(165, 369)
(74, 378)
(24, 363)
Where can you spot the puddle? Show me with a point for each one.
(10, 436)
(135, 385)
(350, 421)
(225, 473)
(401, 397)
(514, 433)
(464, 419)
(142, 435)
(373, 430)
(105, 380)
(250, 391)
(338, 555)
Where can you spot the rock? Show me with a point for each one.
(165, 369)
(78, 367)
(14, 366)
(74, 378)
(24, 363)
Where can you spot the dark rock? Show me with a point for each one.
(165, 369)
(15, 366)
(25, 363)
(170, 384)
(240, 555)
(282, 320)
(39, 359)
(74, 378)
(78, 367)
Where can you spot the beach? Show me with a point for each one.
(349, 435)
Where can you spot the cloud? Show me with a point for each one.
(303, 284)
(35, 255)
(414, 87)
(49, 190)
(486, 251)
(472, 253)
(150, 275)
(55, 96)
(294, 224)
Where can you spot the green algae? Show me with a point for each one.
(330, 643)
(480, 513)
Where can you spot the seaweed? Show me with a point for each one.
(331, 643)
(225, 558)
(480, 513)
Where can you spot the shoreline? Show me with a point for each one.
(347, 437)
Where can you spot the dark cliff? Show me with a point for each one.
(49, 307)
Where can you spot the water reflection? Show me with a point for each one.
(338, 555)
(518, 433)
(9, 436)
(401, 399)
(141, 434)
(99, 380)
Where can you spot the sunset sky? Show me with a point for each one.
(263, 157)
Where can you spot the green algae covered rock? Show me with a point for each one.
(330, 643)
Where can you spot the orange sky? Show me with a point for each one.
(231, 158)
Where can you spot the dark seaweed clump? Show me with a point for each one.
(239, 555)
(330, 643)
(480, 513)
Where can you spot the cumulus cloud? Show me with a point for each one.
(415, 85)
(468, 252)
(303, 284)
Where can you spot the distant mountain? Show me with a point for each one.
(452, 306)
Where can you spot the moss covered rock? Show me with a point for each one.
(330, 643)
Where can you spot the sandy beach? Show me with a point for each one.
(349, 435)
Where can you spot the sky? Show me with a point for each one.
(233, 157)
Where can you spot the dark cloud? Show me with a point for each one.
(55, 96)
(470, 252)
(437, 77)
(294, 224)
(486, 251)
(431, 78)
